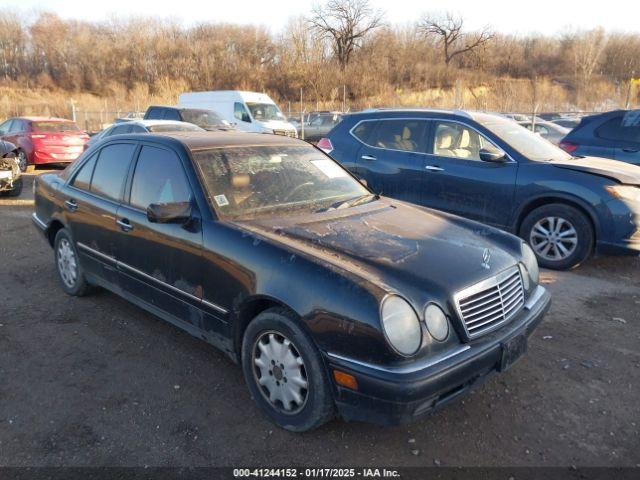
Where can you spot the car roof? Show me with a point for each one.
(178, 107)
(151, 123)
(463, 113)
(208, 140)
(44, 119)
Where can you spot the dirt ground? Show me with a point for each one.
(97, 381)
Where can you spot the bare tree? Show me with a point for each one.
(346, 23)
(448, 28)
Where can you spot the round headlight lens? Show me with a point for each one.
(437, 322)
(401, 325)
(531, 263)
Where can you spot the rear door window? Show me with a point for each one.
(158, 178)
(111, 170)
(614, 130)
(404, 135)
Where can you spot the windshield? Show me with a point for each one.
(55, 127)
(202, 118)
(256, 181)
(527, 143)
(265, 111)
(177, 127)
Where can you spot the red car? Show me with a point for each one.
(42, 140)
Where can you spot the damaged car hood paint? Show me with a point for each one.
(395, 243)
(619, 171)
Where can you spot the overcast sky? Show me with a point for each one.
(507, 16)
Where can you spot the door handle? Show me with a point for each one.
(630, 150)
(434, 168)
(368, 157)
(125, 226)
(71, 204)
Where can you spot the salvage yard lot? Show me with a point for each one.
(97, 381)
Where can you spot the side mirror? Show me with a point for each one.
(492, 154)
(246, 118)
(179, 212)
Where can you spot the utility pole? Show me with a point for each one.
(301, 116)
(628, 102)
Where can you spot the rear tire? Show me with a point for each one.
(285, 373)
(561, 236)
(68, 266)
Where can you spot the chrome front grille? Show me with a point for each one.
(490, 303)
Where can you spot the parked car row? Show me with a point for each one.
(417, 295)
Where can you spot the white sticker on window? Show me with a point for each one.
(221, 200)
(329, 168)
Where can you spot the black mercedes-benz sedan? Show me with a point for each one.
(332, 298)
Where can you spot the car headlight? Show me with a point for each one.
(531, 266)
(437, 322)
(624, 192)
(401, 325)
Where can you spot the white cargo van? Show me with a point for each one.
(248, 111)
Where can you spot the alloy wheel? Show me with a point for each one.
(553, 238)
(280, 372)
(67, 263)
(22, 161)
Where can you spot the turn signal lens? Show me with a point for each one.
(345, 380)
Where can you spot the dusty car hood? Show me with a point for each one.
(614, 169)
(394, 244)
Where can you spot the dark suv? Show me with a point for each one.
(610, 135)
(205, 119)
(489, 168)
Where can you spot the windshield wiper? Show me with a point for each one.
(351, 202)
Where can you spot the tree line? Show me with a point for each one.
(340, 47)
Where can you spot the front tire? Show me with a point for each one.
(23, 161)
(285, 373)
(561, 236)
(68, 266)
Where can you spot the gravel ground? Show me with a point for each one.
(97, 381)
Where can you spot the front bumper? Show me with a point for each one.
(8, 179)
(621, 236)
(397, 395)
